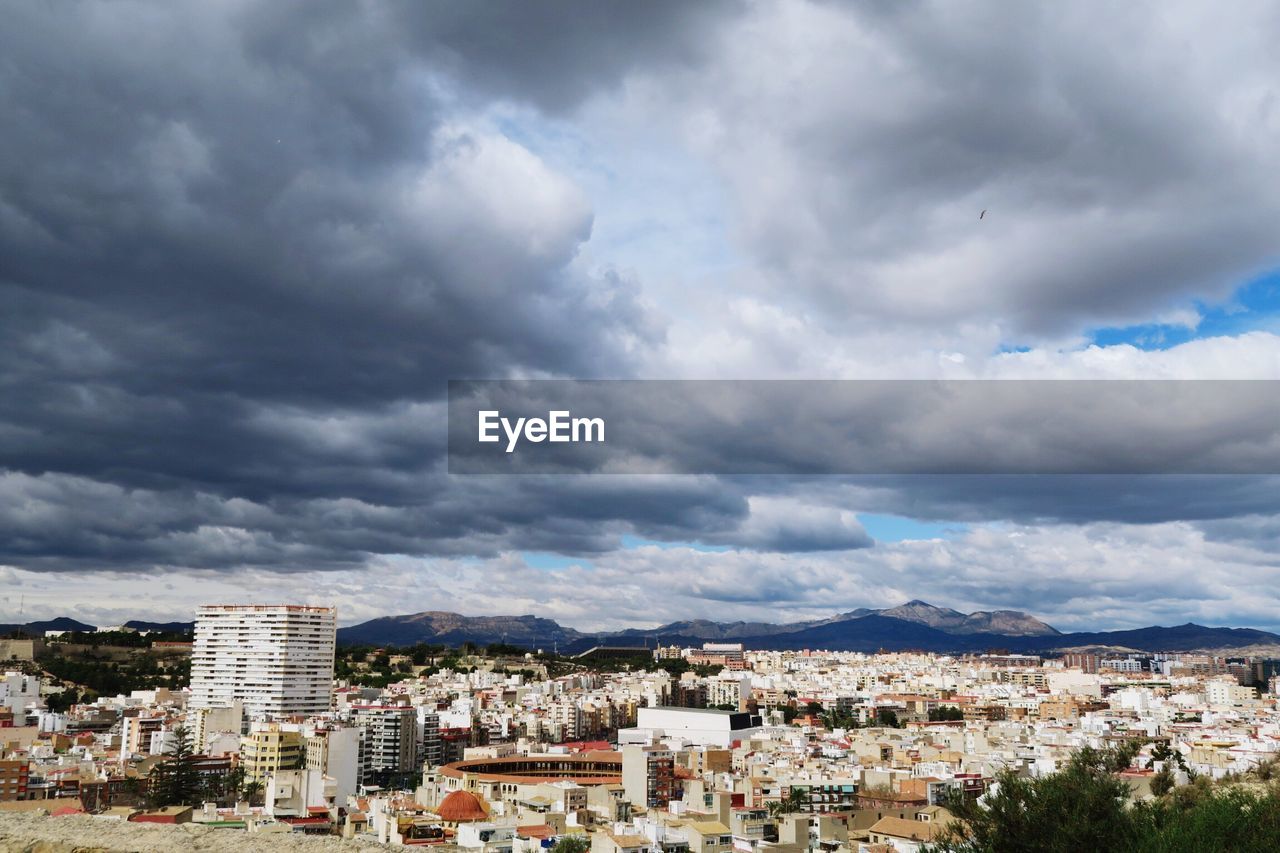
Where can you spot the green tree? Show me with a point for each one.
(59, 702)
(1163, 782)
(231, 784)
(1082, 807)
(1233, 817)
(887, 717)
(253, 792)
(796, 800)
(1086, 806)
(175, 780)
(571, 844)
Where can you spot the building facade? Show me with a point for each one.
(276, 659)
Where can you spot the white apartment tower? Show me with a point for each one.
(276, 659)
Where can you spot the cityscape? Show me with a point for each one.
(679, 426)
(254, 721)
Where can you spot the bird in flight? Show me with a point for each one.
(982, 214)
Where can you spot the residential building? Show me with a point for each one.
(389, 734)
(648, 775)
(268, 748)
(276, 659)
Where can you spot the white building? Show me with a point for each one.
(18, 692)
(293, 793)
(1225, 693)
(335, 751)
(205, 724)
(276, 659)
(691, 727)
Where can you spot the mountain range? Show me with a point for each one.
(915, 625)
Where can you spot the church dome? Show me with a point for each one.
(462, 807)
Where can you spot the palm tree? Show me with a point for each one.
(252, 791)
(795, 800)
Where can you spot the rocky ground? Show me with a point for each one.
(33, 833)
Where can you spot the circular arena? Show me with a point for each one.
(590, 768)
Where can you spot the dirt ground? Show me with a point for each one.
(33, 833)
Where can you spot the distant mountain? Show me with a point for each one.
(1012, 623)
(705, 629)
(436, 626)
(1178, 638)
(871, 633)
(167, 627)
(914, 625)
(875, 632)
(38, 629)
(1007, 622)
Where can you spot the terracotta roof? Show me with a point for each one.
(537, 830)
(462, 807)
(916, 830)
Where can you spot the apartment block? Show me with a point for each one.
(268, 749)
(275, 659)
(390, 737)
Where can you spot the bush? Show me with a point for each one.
(1085, 806)
(1162, 783)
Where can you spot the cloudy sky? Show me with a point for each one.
(244, 245)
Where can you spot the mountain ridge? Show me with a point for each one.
(915, 625)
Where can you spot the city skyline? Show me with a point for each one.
(242, 259)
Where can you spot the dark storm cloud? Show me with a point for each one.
(243, 245)
(240, 252)
(557, 53)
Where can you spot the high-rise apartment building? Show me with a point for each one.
(648, 775)
(390, 738)
(430, 748)
(276, 659)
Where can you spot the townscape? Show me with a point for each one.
(702, 749)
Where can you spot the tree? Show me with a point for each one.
(945, 713)
(1081, 807)
(59, 702)
(253, 791)
(175, 780)
(887, 717)
(231, 784)
(1086, 806)
(797, 799)
(571, 844)
(1163, 782)
(840, 720)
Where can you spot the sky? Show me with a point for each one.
(245, 245)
